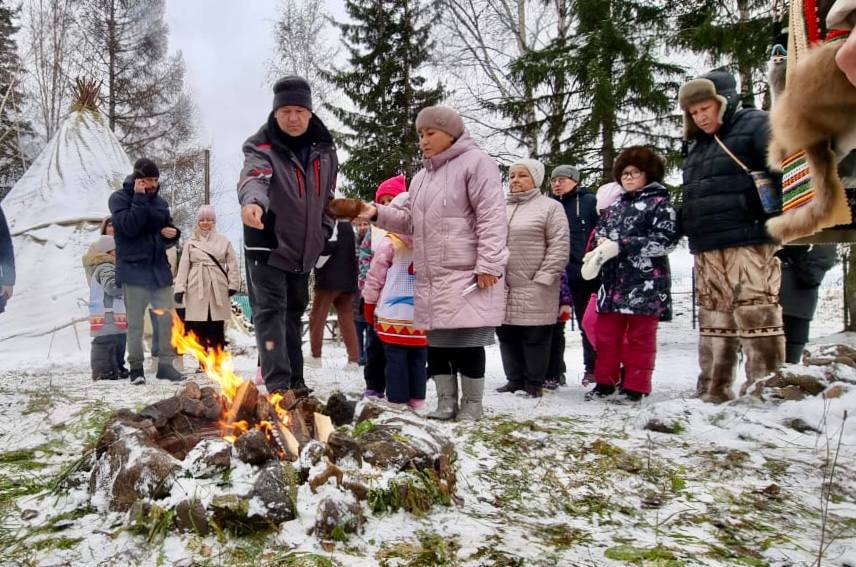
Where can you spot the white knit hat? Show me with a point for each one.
(104, 244)
(535, 167)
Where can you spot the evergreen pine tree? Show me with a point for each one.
(387, 41)
(143, 86)
(603, 85)
(12, 126)
(734, 32)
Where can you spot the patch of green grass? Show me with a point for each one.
(41, 401)
(90, 421)
(589, 506)
(298, 559)
(23, 459)
(255, 550)
(605, 449)
(23, 484)
(562, 536)
(776, 467)
(57, 543)
(363, 427)
(151, 521)
(430, 550)
(490, 556)
(415, 491)
(734, 556)
(677, 480)
(663, 556)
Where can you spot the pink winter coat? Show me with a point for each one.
(455, 210)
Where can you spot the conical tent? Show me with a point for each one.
(54, 212)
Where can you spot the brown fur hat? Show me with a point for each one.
(652, 164)
(718, 85)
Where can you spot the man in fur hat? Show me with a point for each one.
(737, 274)
(286, 184)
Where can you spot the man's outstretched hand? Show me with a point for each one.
(251, 215)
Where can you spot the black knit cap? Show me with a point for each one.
(144, 167)
(292, 91)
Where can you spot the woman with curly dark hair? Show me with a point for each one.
(634, 238)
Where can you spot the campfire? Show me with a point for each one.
(228, 456)
(245, 408)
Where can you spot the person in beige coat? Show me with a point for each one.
(207, 276)
(539, 246)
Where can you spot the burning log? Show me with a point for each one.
(245, 402)
(298, 428)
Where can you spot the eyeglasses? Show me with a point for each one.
(635, 174)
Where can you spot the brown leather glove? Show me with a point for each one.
(346, 208)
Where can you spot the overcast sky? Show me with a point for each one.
(226, 46)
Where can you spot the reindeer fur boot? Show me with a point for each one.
(763, 339)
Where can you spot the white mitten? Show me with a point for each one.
(594, 260)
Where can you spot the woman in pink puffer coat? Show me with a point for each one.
(455, 211)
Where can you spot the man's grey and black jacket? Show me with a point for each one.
(293, 179)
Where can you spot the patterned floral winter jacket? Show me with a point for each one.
(638, 280)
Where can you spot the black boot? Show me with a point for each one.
(631, 396)
(166, 371)
(600, 391)
(534, 390)
(137, 376)
(510, 387)
(301, 390)
(104, 376)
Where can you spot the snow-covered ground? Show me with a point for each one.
(550, 481)
(554, 481)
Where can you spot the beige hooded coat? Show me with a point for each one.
(203, 283)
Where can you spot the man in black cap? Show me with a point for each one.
(286, 184)
(143, 229)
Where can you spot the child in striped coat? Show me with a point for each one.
(388, 296)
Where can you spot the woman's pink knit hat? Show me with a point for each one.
(206, 212)
(392, 187)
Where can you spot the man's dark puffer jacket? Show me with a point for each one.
(721, 207)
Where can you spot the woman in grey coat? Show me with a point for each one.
(538, 246)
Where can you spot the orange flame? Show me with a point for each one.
(219, 367)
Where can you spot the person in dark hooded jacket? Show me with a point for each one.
(737, 274)
(142, 229)
(286, 185)
(581, 210)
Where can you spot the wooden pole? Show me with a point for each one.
(207, 153)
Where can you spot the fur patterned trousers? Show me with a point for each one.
(738, 294)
